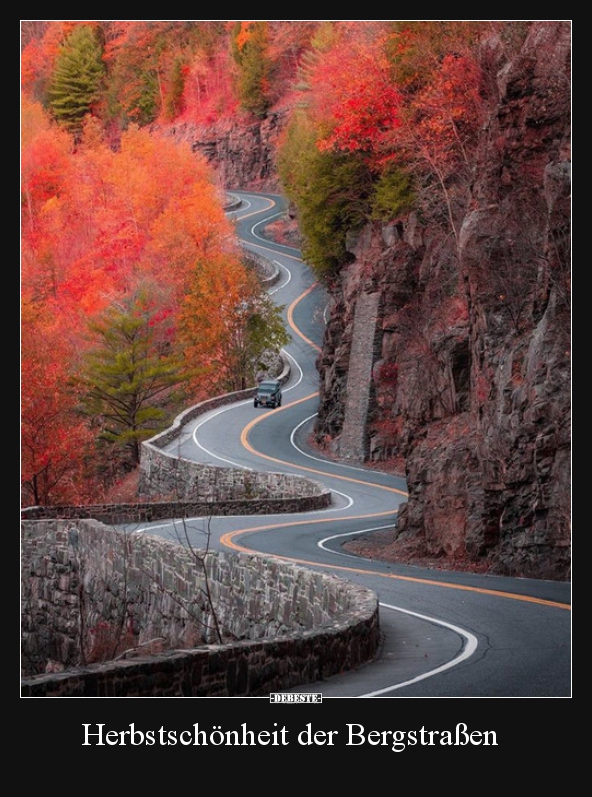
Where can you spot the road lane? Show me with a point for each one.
(445, 634)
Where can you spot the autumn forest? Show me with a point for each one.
(136, 298)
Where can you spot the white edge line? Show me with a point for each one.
(367, 471)
(321, 543)
(468, 650)
(283, 285)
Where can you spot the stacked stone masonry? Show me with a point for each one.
(162, 473)
(353, 443)
(283, 625)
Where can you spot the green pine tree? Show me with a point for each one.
(77, 78)
(254, 68)
(127, 381)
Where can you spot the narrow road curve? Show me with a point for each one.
(445, 634)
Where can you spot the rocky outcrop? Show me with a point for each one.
(111, 615)
(243, 155)
(471, 388)
(470, 384)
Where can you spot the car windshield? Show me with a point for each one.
(267, 389)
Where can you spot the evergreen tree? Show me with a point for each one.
(76, 82)
(251, 53)
(128, 379)
(174, 98)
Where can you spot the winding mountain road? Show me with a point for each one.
(445, 634)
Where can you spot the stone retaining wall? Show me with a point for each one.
(353, 443)
(147, 512)
(162, 473)
(87, 589)
(283, 625)
(267, 270)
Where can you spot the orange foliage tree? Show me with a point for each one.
(229, 342)
(222, 284)
(96, 224)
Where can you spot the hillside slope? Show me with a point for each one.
(472, 386)
(471, 381)
(450, 324)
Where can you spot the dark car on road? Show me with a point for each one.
(269, 394)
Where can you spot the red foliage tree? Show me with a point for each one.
(98, 223)
(55, 443)
(356, 115)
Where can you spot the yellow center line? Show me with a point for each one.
(228, 539)
(272, 204)
(275, 252)
(290, 316)
(245, 442)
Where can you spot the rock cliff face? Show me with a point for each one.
(243, 156)
(469, 387)
(471, 383)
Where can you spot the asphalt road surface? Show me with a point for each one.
(445, 634)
